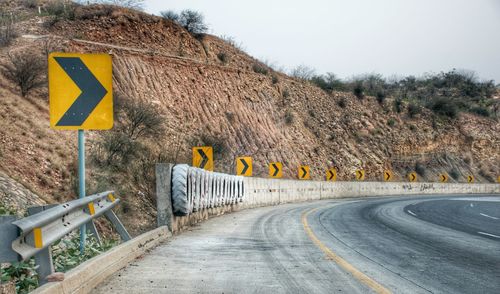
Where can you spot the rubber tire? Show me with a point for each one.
(179, 190)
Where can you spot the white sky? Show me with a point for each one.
(352, 37)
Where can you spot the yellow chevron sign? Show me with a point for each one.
(412, 177)
(244, 166)
(203, 157)
(360, 175)
(275, 170)
(470, 179)
(304, 172)
(331, 175)
(443, 178)
(387, 175)
(80, 91)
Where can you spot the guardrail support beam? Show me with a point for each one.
(93, 230)
(111, 216)
(164, 195)
(43, 258)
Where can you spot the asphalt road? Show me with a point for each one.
(400, 245)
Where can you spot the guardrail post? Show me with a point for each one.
(164, 195)
(43, 258)
(111, 216)
(9, 233)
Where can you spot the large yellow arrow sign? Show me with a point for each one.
(80, 91)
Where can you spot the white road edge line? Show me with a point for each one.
(411, 212)
(491, 235)
(485, 215)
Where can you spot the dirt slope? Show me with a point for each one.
(291, 121)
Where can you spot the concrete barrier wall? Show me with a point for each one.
(264, 192)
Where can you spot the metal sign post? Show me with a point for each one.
(81, 181)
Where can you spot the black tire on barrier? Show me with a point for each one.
(179, 190)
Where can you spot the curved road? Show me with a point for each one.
(374, 245)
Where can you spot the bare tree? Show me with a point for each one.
(170, 15)
(302, 72)
(7, 32)
(193, 22)
(26, 70)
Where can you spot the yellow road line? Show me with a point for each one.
(372, 284)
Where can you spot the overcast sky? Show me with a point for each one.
(349, 37)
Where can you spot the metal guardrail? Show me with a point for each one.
(40, 230)
(33, 235)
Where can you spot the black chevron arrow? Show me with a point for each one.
(245, 166)
(443, 178)
(331, 175)
(412, 176)
(92, 91)
(387, 176)
(304, 172)
(359, 173)
(276, 169)
(204, 157)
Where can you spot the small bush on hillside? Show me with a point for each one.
(391, 122)
(358, 90)
(7, 31)
(259, 68)
(380, 97)
(60, 10)
(342, 103)
(218, 142)
(328, 82)
(289, 117)
(420, 168)
(230, 116)
(223, 57)
(444, 107)
(26, 70)
(274, 79)
(286, 93)
(302, 72)
(480, 110)
(136, 121)
(398, 105)
(170, 15)
(192, 21)
(413, 109)
(454, 173)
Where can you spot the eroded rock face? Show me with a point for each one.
(15, 196)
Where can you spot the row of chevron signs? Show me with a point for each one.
(203, 158)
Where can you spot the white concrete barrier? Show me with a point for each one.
(265, 192)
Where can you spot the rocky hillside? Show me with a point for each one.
(207, 91)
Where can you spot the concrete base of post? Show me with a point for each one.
(165, 216)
